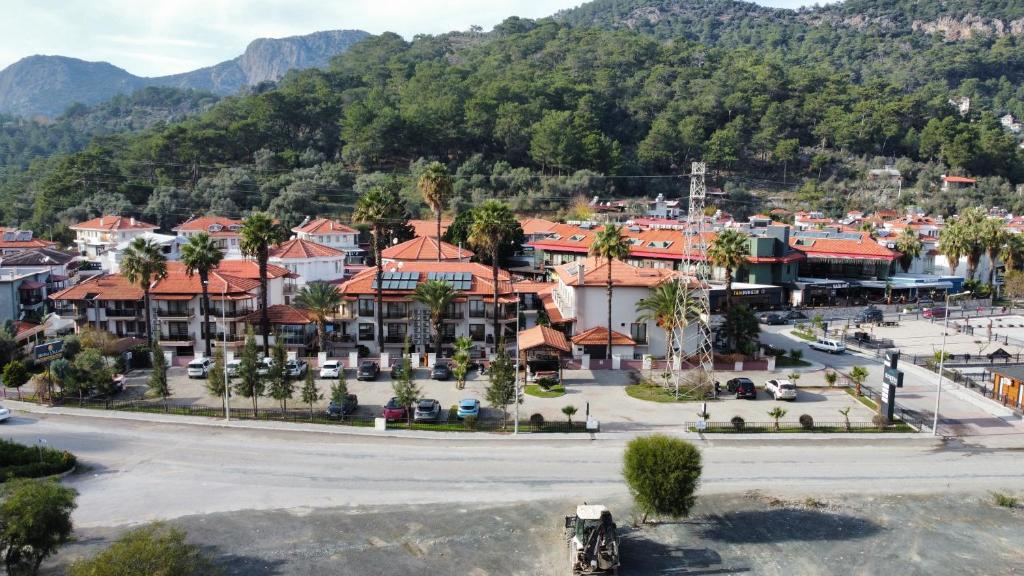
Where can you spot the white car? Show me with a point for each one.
(264, 365)
(781, 389)
(330, 369)
(232, 367)
(830, 346)
(199, 368)
(4, 414)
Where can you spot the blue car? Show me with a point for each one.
(469, 407)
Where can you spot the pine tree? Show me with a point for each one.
(339, 390)
(158, 379)
(405, 390)
(281, 386)
(250, 384)
(310, 395)
(215, 378)
(502, 390)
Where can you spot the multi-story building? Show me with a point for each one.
(170, 247)
(106, 302)
(62, 266)
(13, 241)
(471, 315)
(225, 232)
(425, 248)
(333, 234)
(94, 238)
(309, 261)
(23, 293)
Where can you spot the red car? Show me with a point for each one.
(934, 313)
(392, 411)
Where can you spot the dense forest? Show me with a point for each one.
(791, 108)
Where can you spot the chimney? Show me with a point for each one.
(132, 221)
(101, 221)
(580, 270)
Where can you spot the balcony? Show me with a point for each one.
(396, 314)
(176, 339)
(291, 288)
(175, 313)
(231, 312)
(502, 314)
(122, 313)
(67, 312)
(394, 339)
(220, 338)
(476, 313)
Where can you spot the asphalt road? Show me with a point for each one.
(137, 471)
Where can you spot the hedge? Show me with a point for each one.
(21, 461)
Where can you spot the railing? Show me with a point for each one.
(174, 313)
(389, 339)
(395, 314)
(176, 337)
(122, 312)
(502, 315)
(794, 427)
(477, 313)
(236, 313)
(230, 338)
(453, 316)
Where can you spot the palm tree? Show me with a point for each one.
(493, 225)
(908, 244)
(729, 250)
(1012, 253)
(954, 244)
(992, 236)
(610, 244)
(436, 186)
(972, 221)
(321, 299)
(259, 233)
(201, 255)
(382, 209)
(142, 263)
(663, 308)
(435, 295)
(859, 374)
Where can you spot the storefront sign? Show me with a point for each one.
(49, 351)
(893, 377)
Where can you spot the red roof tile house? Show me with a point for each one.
(333, 234)
(310, 261)
(224, 231)
(425, 248)
(471, 315)
(14, 241)
(94, 238)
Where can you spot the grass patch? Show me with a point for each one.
(804, 335)
(1004, 500)
(654, 393)
(862, 399)
(553, 392)
(787, 362)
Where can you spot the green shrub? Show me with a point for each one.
(662, 474)
(1005, 500)
(537, 419)
(152, 549)
(546, 383)
(807, 422)
(21, 461)
(738, 423)
(796, 354)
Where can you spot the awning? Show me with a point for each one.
(31, 285)
(231, 297)
(599, 335)
(543, 337)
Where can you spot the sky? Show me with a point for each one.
(159, 37)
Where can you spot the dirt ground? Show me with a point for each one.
(752, 533)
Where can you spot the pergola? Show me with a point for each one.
(543, 343)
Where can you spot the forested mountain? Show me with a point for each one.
(784, 110)
(47, 85)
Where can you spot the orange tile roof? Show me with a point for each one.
(599, 335)
(863, 249)
(425, 248)
(299, 249)
(324, 226)
(23, 244)
(481, 283)
(178, 282)
(531, 287)
(282, 314)
(114, 223)
(251, 269)
(216, 226)
(543, 336)
(959, 179)
(658, 243)
(102, 287)
(533, 226)
(595, 273)
(429, 227)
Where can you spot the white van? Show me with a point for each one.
(199, 368)
(830, 346)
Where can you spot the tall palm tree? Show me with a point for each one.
(201, 255)
(729, 251)
(435, 295)
(1012, 253)
(322, 300)
(436, 186)
(611, 245)
(259, 233)
(493, 225)
(972, 220)
(992, 236)
(908, 244)
(143, 263)
(383, 210)
(954, 244)
(670, 308)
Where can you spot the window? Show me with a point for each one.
(638, 332)
(453, 311)
(366, 331)
(476, 309)
(476, 332)
(448, 332)
(365, 307)
(396, 333)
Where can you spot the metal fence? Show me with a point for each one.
(824, 426)
(447, 424)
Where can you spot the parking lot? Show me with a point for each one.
(603, 390)
(924, 337)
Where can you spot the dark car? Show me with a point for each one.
(869, 314)
(335, 410)
(393, 411)
(427, 410)
(401, 368)
(772, 319)
(368, 370)
(442, 370)
(795, 315)
(742, 387)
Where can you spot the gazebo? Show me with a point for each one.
(541, 344)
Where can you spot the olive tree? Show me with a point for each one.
(662, 474)
(150, 549)
(35, 519)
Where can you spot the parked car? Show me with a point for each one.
(742, 387)
(935, 313)
(468, 407)
(296, 368)
(335, 410)
(199, 368)
(543, 369)
(781, 389)
(117, 383)
(401, 368)
(232, 367)
(4, 413)
(772, 319)
(427, 410)
(442, 370)
(368, 370)
(795, 315)
(264, 366)
(393, 411)
(830, 346)
(331, 369)
(869, 314)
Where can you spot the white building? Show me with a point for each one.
(309, 261)
(225, 232)
(94, 238)
(333, 234)
(169, 245)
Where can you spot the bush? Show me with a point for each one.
(469, 421)
(1005, 500)
(807, 422)
(537, 419)
(738, 423)
(880, 421)
(796, 354)
(662, 474)
(21, 461)
(546, 383)
(152, 549)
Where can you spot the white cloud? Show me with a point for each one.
(172, 36)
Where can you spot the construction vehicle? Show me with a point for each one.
(593, 541)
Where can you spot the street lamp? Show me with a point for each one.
(224, 349)
(942, 357)
(515, 429)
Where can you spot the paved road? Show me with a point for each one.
(140, 471)
(957, 417)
